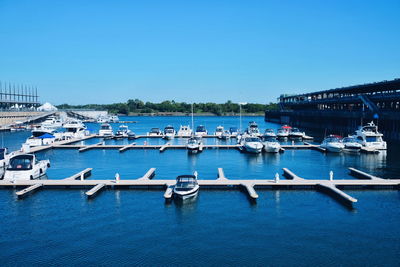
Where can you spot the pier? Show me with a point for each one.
(333, 188)
(342, 110)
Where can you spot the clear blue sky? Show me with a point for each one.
(109, 51)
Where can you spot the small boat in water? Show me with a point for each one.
(114, 118)
(226, 135)
(155, 132)
(186, 186)
(370, 137)
(271, 144)
(184, 131)
(25, 167)
(219, 131)
(269, 133)
(74, 129)
(234, 132)
(193, 144)
(201, 130)
(41, 137)
(252, 129)
(283, 132)
(106, 130)
(123, 132)
(169, 132)
(295, 133)
(351, 143)
(252, 144)
(333, 143)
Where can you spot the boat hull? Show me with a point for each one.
(187, 194)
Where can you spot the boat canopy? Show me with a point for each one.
(21, 163)
(46, 135)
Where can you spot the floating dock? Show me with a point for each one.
(331, 187)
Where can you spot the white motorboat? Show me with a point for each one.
(41, 137)
(106, 130)
(103, 119)
(269, 133)
(114, 119)
(169, 132)
(252, 144)
(201, 130)
(234, 131)
(226, 135)
(370, 137)
(271, 144)
(4, 160)
(193, 144)
(122, 132)
(283, 132)
(333, 143)
(252, 129)
(219, 131)
(351, 143)
(296, 133)
(186, 186)
(155, 132)
(74, 129)
(25, 167)
(184, 131)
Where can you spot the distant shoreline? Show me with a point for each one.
(179, 114)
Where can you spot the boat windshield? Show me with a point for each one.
(269, 131)
(155, 130)
(349, 140)
(21, 163)
(371, 129)
(2, 153)
(271, 139)
(169, 130)
(185, 181)
(332, 140)
(219, 130)
(200, 129)
(192, 141)
(252, 139)
(105, 127)
(295, 130)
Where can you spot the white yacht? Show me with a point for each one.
(201, 130)
(251, 144)
(370, 137)
(271, 144)
(25, 167)
(351, 143)
(155, 132)
(184, 131)
(169, 132)
(41, 137)
(122, 132)
(193, 144)
(186, 186)
(333, 143)
(106, 130)
(252, 129)
(52, 123)
(74, 129)
(296, 133)
(219, 131)
(269, 133)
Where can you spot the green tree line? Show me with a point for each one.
(138, 106)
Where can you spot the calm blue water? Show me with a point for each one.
(132, 227)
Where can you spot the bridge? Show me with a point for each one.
(341, 110)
